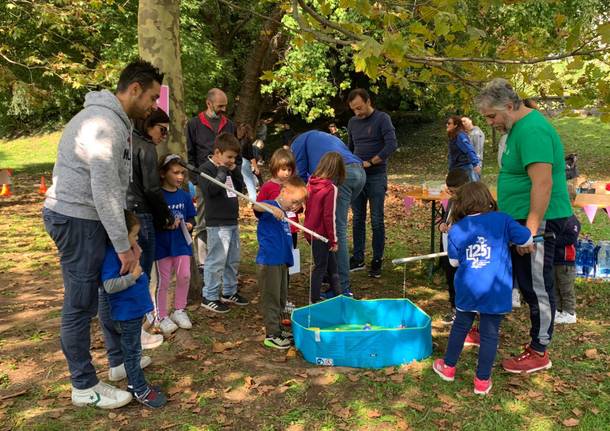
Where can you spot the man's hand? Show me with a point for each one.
(128, 261)
(277, 213)
(443, 227)
(334, 248)
(528, 248)
(477, 169)
(137, 272)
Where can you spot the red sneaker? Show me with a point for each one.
(482, 387)
(446, 372)
(473, 338)
(527, 362)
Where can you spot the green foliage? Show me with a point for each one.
(304, 82)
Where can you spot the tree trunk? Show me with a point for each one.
(250, 95)
(159, 43)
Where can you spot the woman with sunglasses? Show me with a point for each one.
(145, 198)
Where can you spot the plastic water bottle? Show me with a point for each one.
(367, 327)
(603, 260)
(585, 258)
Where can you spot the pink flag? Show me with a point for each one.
(163, 101)
(408, 202)
(444, 203)
(590, 211)
(608, 211)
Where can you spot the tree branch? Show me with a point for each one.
(322, 37)
(327, 23)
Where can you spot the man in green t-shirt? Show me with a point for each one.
(532, 188)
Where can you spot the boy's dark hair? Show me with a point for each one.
(227, 142)
(131, 220)
(457, 178)
(364, 95)
(472, 198)
(140, 71)
(282, 158)
(168, 160)
(331, 166)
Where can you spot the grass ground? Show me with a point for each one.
(246, 387)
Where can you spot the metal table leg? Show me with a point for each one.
(432, 229)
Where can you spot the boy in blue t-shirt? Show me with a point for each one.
(275, 256)
(478, 245)
(129, 301)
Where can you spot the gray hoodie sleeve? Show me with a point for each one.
(114, 285)
(108, 154)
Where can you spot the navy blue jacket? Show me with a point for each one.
(372, 136)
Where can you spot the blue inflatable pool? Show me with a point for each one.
(362, 333)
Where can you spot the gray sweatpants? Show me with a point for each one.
(273, 284)
(565, 298)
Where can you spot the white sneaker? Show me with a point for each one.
(565, 318)
(180, 318)
(150, 341)
(118, 373)
(516, 298)
(167, 326)
(101, 395)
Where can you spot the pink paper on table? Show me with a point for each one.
(608, 211)
(408, 202)
(444, 203)
(163, 101)
(590, 211)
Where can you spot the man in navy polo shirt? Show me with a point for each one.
(308, 148)
(371, 137)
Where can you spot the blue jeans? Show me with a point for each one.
(355, 177)
(373, 193)
(249, 178)
(489, 326)
(222, 262)
(81, 245)
(146, 241)
(130, 332)
(112, 337)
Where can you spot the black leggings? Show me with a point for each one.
(325, 263)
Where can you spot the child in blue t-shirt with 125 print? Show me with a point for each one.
(478, 245)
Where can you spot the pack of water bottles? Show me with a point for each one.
(592, 260)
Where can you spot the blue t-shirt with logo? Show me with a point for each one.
(131, 303)
(479, 246)
(274, 239)
(173, 242)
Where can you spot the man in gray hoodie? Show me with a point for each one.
(84, 208)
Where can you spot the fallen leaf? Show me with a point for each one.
(295, 427)
(594, 411)
(249, 382)
(445, 399)
(112, 415)
(572, 422)
(291, 353)
(218, 327)
(353, 377)
(591, 353)
(397, 378)
(577, 412)
(145, 413)
(389, 371)
(420, 408)
(373, 414)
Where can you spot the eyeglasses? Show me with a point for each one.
(163, 130)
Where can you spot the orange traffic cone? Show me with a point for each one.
(6, 191)
(43, 186)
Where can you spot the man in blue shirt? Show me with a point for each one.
(308, 149)
(371, 137)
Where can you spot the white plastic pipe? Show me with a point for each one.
(241, 195)
(416, 258)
